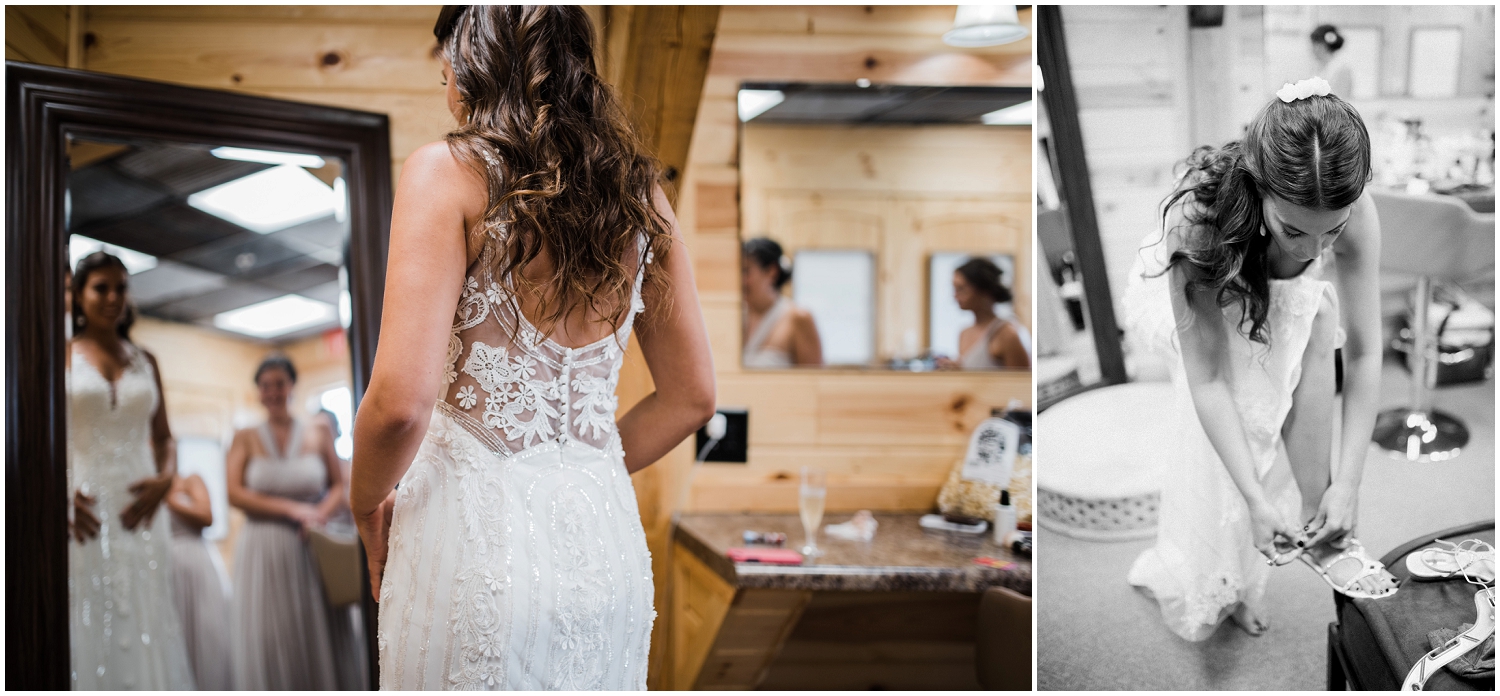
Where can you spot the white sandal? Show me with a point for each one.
(1368, 568)
(1484, 625)
(1470, 556)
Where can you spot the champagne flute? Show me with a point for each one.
(811, 496)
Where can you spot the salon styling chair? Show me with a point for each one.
(1431, 237)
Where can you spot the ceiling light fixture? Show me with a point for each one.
(135, 262)
(1023, 114)
(270, 200)
(276, 317)
(754, 102)
(268, 157)
(977, 26)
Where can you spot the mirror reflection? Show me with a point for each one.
(885, 226)
(208, 380)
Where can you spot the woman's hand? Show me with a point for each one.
(85, 524)
(1270, 532)
(1337, 513)
(149, 492)
(374, 531)
(306, 515)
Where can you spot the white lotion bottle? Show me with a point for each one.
(1005, 518)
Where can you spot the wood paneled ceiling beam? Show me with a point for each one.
(657, 56)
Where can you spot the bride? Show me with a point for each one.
(123, 625)
(1268, 261)
(523, 251)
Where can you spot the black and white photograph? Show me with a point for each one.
(1265, 330)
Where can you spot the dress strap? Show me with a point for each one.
(767, 323)
(269, 441)
(294, 443)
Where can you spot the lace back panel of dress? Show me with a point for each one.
(514, 388)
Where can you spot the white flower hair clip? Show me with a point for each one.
(1303, 89)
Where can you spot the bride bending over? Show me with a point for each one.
(1268, 263)
(523, 252)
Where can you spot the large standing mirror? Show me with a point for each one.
(195, 282)
(885, 226)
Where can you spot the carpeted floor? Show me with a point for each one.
(1094, 631)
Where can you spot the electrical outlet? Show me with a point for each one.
(733, 447)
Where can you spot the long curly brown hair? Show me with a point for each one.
(567, 174)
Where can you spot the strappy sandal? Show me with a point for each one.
(1369, 567)
(1441, 656)
(1470, 557)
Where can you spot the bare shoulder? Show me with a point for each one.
(801, 315)
(1362, 233)
(1178, 229)
(432, 170)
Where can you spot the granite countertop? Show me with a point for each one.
(902, 557)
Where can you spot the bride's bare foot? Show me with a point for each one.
(1343, 570)
(1250, 620)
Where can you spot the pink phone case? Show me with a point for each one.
(776, 556)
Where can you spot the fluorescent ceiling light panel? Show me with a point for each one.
(754, 102)
(1022, 114)
(268, 157)
(276, 317)
(135, 262)
(268, 201)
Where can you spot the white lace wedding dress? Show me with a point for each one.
(123, 623)
(517, 557)
(1204, 564)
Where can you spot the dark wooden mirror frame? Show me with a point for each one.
(44, 107)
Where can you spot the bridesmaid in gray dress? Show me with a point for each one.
(200, 585)
(285, 475)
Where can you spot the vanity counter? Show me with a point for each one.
(903, 556)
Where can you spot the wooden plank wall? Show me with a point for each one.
(38, 33)
(901, 193)
(886, 439)
(1129, 68)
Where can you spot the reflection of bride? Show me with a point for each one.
(993, 341)
(124, 628)
(778, 333)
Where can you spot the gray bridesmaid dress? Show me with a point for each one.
(281, 629)
(202, 594)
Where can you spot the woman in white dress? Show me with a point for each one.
(1269, 261)
(777, 332)
(993, 341)
(285, 475)
(123, 625)
(524, 250)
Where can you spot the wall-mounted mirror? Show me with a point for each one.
(885, 226)
(195, 285)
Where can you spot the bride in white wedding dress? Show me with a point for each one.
(512, 554)
(123, 627)
(1267, 262)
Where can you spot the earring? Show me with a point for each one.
(1262, 231)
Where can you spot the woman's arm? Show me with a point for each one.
(1006, 348)
(162, 443)
(1358, 255)
(807, 346)
(1204, 335)
(335, 495)
(436, 197)
(150, 491)
(252, 501)
(189, 499)
(675, 345)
